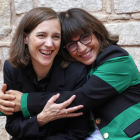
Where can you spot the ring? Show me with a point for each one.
(66, 111)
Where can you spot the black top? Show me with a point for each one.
(59, 80)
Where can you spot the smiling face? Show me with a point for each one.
(86, 53)
(44, 43)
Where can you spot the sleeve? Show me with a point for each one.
(106, 81)
(1, 114)
(16, 125)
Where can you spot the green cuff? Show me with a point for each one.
(1, 114)
(24, 106)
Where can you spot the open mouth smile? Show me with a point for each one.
(87, 54)
(46, 52)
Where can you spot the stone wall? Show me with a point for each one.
(121, 17)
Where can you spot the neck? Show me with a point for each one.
(42, 71)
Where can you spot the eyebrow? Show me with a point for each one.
(46, 33)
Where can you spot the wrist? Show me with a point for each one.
(41, 119)
(19, 106)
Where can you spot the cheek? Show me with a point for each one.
(73, 54)
(57, 45)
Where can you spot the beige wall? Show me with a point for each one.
(121, 17)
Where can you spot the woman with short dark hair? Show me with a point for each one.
(112, 91)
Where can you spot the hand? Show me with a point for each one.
(16, 101)
(53, 111)
(7, 107)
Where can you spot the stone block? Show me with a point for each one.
(5, 53)
(126, 6)
(119, 17)
(23, 6)
(4, 31)
(5, 44)
(129, 33)
(62, 5)
(108, 6)
(5, 13)
(1, 79)
(3, 133)
(136, 16)
(1, 60)
(135, 53)
(101, 17)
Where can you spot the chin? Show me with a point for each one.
(46, 64)
(89, 62)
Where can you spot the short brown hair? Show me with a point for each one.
(76, 22)
(19, 54)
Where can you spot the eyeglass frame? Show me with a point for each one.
(79, 41)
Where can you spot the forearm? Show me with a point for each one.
(89, 95)
(42, 119)
(18, 127)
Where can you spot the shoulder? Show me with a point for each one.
(73, 67)
(110, 52)
(8, 68)
(76, 73)
(76, 67)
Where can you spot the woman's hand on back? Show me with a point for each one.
(16, 101)
(53, 111)
(6, 104)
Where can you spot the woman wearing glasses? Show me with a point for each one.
(112, 91)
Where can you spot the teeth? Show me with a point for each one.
(86, 54)
(46, 52)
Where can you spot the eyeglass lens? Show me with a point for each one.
(72, 46)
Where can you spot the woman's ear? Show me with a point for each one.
(25, 38)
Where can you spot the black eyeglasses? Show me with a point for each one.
(84, 39)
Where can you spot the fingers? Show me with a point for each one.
(8, 113)
(6, 109)
(4, 87)
(68, 102)
(7, 103)
(73, 115)
(65, 113)
(68, 115)
(7, 97)
(13, 92)
(73, 109)
(53, 99)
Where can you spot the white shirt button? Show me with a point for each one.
(106, 135)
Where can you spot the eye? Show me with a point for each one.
(71, 44)
(41, 35)
(85, 37)
(57, 37)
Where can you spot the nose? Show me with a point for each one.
(81, 47)
(48, 42)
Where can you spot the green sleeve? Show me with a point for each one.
(24, 106)
(118, 72)
(1, 114)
